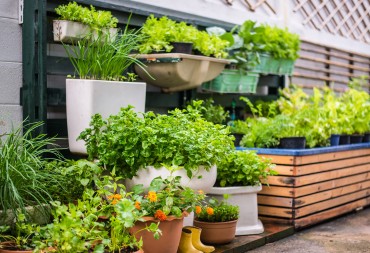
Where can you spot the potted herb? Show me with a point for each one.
(19, 239)
(100, 221)
(77, 22)
(142, 147)
(166, 202)
(103, 85)
(24, 181)
(179, 71)
(240, 175)
(267, 49)
(215, 216)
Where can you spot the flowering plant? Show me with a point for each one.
(166, 197)
(216, 211)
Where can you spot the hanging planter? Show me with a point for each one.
(175, 72)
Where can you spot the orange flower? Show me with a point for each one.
(117, 196)
(152, 196)
(210, 210)
(110, 197)
(198, 209)
(160, 215)
(137, 205)
(114, 201)
(200, 192)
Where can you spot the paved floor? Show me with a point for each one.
(347, 234)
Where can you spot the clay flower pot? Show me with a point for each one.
(169, 240)
(216, 232)
(9, 247)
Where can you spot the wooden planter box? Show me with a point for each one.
(315, 184)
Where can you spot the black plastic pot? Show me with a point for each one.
(334, 139)
(366, 137)
(293, 142)
(344, 139)
(182, 47)
(238, 138)
(356, 138)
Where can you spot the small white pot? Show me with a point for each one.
(246, 198)
(69, 31)
(201, 180)
(88, 97)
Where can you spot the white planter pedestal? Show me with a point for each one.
(246, 198)
(205, 183)
(88, 97)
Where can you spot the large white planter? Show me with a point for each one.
(246, 198)
(88, 97)
(201, 180)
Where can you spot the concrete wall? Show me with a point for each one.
(10, 65)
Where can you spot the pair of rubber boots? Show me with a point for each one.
(190, 241)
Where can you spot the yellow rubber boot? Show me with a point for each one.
(186, 245)
(196, 240)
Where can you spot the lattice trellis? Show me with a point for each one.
(348, 18)
(253, 5)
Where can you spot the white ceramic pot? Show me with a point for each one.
(88, 97)
(246, 198)
(201, 180)
(69, 31)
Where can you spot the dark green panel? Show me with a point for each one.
(34, 58)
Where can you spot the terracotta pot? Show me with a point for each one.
(9, 247)
(216, 232)
(168, 242)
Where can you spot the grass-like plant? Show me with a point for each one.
(105, 57)
(23, 181)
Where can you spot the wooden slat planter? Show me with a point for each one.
(314, 185)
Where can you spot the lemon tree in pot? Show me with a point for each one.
(240, 175)
(142, 147)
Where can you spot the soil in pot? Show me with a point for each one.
(334, 139)
(216, 232)
(366, 137)
(293, 143)
(356, 138)
(182, 47)
(344, 139)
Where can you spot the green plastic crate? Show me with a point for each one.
(286, 67)
(233, 81)
(267, 65)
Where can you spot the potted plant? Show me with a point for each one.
(267, 49)
(77, 22)
(240, 175)
(166, 202)
(142, 147)
(179, 71)
(215, 216)
(100, 222)
(19, 239)
(103, 84)
(24, 181)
